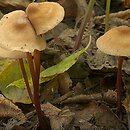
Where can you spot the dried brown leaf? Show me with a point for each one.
(8, 109)
(126, 103)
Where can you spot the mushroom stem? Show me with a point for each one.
(119, 83)
(37, 63)
(26, 79)
(35, 72)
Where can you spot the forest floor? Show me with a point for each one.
(84, 97)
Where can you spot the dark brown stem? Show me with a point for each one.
(119, 83)
(83, 25)
(37, 63)
(35, 72)
(26, 79)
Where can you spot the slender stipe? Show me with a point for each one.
(35, 79)
(37, 63)
(119, 83)
(26, 79)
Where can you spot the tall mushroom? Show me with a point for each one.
(116, 42)
(43, 16)
(18, 35)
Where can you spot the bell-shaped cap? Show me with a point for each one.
(45, 15)
(116, 41)
(17, 33)
(11, 54)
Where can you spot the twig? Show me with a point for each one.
(122, 14)
(111, 98)
(62, 98)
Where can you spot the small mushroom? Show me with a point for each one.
(18, 35)
(45, 15)
(116, 42)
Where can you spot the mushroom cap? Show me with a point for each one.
(11, 54)
(115, 42)
(45, 15)
(17, 33)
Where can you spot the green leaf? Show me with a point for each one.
(9, 72)
(45, 75)
(17, 94)
(4, 63)
(63, 66)
(53, 71)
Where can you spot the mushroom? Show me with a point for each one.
(18, 36)
(116, 42)
(45, 15)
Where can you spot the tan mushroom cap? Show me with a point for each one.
(45, 15)
(17, 33)
(116, 41)
(11, 54)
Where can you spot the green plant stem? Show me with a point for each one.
(83, 24)
(35, 72)
(26, 79)
(107, 15)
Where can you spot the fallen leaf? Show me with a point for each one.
(8, 109)
(64, 65)
(59, 119)
(10, 72)
(64, 83)
(94, 115)
(16, 94)
(126, 103)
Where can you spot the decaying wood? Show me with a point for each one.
(109, 96)
(62, 98)
(122, 14)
